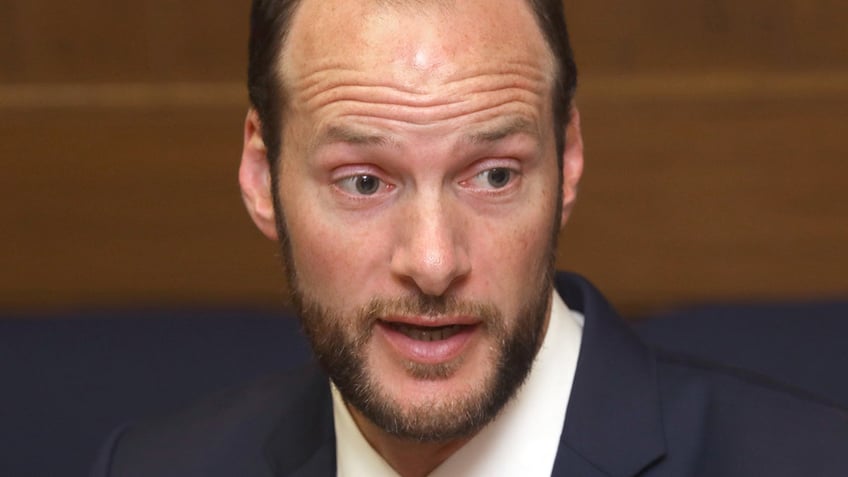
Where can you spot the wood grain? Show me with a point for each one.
(715, 134)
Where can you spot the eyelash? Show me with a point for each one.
(486, 174)
(348, 184)
(351, 181)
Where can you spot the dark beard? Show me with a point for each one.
(339, 340)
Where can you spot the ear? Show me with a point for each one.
(572, 164)
(255, 177)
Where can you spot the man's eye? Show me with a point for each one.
(361, 185)
(495, 178)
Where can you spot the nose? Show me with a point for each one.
(432, 251)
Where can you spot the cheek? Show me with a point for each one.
(334, 260)
(517, 247)
(513, 254)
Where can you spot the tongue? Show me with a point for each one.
(427, 333)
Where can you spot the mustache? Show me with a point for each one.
(428, 306)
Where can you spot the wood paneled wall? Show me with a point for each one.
(717, 158)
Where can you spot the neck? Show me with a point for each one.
(408, 457)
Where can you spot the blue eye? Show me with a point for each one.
(367, 185)
(361, 185)
(495, 178)
(498, 177)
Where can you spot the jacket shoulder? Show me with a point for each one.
(224, 434)
(744, 423)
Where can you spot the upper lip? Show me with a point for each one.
(431, 321)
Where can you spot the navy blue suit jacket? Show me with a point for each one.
(633, 411)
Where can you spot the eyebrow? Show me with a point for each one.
(504, 130)
(347, 135)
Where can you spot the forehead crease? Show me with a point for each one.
(325, 86)
(425, 118)
(364, 103)
(312, 69)
(512, 102)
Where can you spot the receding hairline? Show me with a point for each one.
(283, 52)
(269, 43)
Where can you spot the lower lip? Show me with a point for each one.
(427, 352)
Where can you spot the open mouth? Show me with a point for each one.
(427, 333)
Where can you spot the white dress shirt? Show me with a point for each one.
(522, 440)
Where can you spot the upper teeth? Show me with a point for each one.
(423, 333)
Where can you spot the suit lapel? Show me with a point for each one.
(613, 425)
(304, 442)
(322, 462)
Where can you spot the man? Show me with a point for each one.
(416, 160)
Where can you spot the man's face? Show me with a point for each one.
(420, 192)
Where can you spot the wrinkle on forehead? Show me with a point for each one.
(417, 66)
(486, 94)
(328, 73)
(323, 86)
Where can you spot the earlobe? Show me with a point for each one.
(255, 177)
(572, 164)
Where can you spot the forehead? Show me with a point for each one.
(416, 44)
